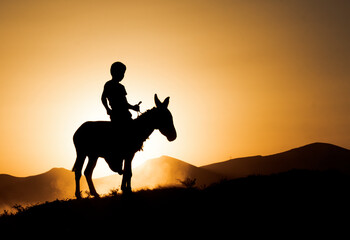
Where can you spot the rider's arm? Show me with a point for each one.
(128, 106)
(105, 103)
(133, 107)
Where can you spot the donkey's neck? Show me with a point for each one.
(145, 125)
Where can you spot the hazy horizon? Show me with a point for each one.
(166, 157)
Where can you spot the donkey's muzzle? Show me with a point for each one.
(171, 137)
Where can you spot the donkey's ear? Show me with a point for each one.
(156, 100)
(166, 102)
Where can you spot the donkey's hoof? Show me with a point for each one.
(96, 195)
(78, 195)
(127, 190)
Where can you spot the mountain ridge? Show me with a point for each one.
(314, 156)
(58, 183)
(169, 171)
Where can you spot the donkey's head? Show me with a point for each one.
(165, 122)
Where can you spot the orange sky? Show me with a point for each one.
(244, 77)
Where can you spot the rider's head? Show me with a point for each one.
(118, 70)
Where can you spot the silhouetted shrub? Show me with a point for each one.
(87, 192)
(188, 182)
(19, 208)
(113, 192)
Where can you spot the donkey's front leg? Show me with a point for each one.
(126, 182)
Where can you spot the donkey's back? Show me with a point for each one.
(95, 138)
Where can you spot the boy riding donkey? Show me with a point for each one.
(114, 100)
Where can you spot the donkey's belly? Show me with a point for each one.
(115, 163)
(103, 148)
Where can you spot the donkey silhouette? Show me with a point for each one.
(115, 145)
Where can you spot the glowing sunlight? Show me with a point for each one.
(152, 148)
(243, 79)
(163, 115)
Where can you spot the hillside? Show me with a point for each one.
(316, 156)
(162, 171)
(298, 200)
(58, 183)
(168, 171)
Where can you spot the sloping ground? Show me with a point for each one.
(59, 183)
(296, 202)
(56, 183)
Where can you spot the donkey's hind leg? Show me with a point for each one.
(78, 165)
(88, 174)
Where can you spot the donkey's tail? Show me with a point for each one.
(74, 167)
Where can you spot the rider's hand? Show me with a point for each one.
(136, 108)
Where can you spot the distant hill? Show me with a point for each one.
(58, 183)
(298, 202)
(162, 171)
(316, 156)
(168, 171)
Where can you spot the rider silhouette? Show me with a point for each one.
(117, 106)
